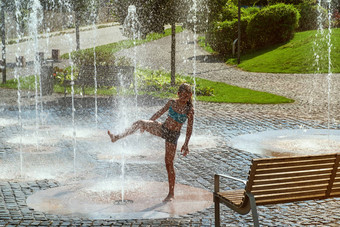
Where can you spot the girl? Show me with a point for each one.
(179, 110)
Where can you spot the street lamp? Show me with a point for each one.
(239, 32)
(3, 41)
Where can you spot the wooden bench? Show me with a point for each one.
(281, 180)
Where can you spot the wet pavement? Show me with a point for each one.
(217, 123)
(89, 155)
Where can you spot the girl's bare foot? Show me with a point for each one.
(113, 137)
(169, 198)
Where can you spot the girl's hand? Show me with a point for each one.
(185, 150)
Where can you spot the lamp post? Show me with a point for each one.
(173, 53)
(3, 41)
(239, 32)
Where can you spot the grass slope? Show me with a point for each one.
(295, 56)
(225, 93)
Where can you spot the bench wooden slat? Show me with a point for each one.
(337, 176)
(286, 190)
(286, 185)
(292, 159)
(234, 196)
(290, 195)
(336, 189)
(296, 163)
(335, 192)
(336, 184)
(294, 169)
(294, 174)
(289, 200)
(291, 179)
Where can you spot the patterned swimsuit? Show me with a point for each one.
(169, 135)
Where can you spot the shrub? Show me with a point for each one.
(272, 25)
(309, 16)
(160, 81)
(68, 74)
(274, 2)
(87, 57)
(224, 33)
(249, 11)
(229, 12)
(204, 91)
(224, 30)
(336, 16)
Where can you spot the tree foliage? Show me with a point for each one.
(197, 18)
(152, 14)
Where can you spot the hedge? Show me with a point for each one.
(295, 2)
(224, 33)
(272, 25)
(309, 16)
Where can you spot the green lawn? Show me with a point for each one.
(296, 56)
(217, 92)
(225, 93)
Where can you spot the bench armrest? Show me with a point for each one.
(217, 180)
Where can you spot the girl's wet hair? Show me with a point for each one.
(185, 87)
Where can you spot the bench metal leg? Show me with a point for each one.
(217, 212)
(253, 209)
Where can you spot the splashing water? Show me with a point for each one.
(324, 36)
(132, 29)
(329, 45)
(35, 20)
(131, 26)
(93, 18)
(71, 63)
(17, 77)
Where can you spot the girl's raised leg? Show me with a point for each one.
(152, 127)
(170, 152)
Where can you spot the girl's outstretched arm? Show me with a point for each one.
(161, 111)
(185, 147)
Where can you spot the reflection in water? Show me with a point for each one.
(278, 143)
(98, 197)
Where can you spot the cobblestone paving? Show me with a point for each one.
(223, 121)
(196, 170)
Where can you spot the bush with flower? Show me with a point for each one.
(336, 21)
(62, 76)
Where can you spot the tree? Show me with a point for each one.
(153, 15)
(84, 11)
(3, 41)
(5, 6)
(198, 17)
(20, 19)
(82, 8)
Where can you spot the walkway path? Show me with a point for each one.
(65, 41)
